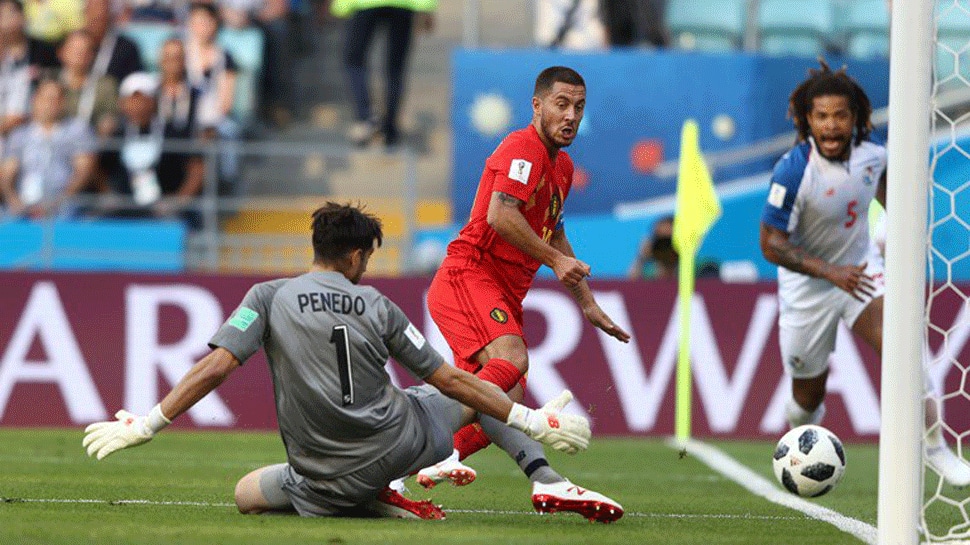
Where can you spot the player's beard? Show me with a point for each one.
(552, 132)
(841, 154)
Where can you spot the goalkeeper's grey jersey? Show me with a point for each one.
(327, 341)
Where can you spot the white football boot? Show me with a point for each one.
(449, 469)
(566, 496)
(951, 467)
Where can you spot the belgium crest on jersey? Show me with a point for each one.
(555, 205)
(499, 315)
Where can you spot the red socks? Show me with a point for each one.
(470, 440)
(500, 372)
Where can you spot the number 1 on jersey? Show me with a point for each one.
(341, 339)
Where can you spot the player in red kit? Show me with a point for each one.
(516, 226)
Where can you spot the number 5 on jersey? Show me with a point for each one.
(340, 338)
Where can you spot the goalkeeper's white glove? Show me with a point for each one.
(129, 430)
(567, 433)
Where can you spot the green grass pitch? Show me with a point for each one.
(668, 498)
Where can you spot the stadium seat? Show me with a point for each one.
(867, 46)
(870, 16)
(707, 25)
(865, 25)
(796, 27)
(149, 37)
(802, 46)
(246, 47)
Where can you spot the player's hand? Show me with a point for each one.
(569, 270)
(567, 433)
(128, 430)
(598, 318)
(853, 280)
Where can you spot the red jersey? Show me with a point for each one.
(520, 167)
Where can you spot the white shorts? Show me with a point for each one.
(807, 326)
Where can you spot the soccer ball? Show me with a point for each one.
(809, 461)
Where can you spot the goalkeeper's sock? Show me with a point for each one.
(501, 373)
(470, 439)
(798, 416)
(526, 452)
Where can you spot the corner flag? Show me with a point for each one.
(697, 208)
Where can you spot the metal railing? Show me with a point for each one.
(210, 247)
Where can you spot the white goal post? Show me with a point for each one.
(900, 439)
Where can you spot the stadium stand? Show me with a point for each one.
(246, 47)
(707, 25)
(149, 37)
(865, 27)
(796, 27)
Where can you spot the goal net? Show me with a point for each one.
(945, 512)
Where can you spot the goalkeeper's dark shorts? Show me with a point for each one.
(349, 495)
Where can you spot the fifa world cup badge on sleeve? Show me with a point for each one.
(243, 318)
(520, 170)
(776, 197)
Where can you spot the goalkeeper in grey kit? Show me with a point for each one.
(348, 431)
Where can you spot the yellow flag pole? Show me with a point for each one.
(697, 208)
(685, 295)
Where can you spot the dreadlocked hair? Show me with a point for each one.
(825, 81)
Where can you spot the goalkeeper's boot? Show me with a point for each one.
(566, 496)
(390, 503)
(449, 469)
(951, 467)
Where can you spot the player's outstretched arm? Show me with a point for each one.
(564, 432)
(584, 295)
(778, 249)
(130, 430)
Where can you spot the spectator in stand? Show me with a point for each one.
(272, 18)
(92, 100)
(161, 183)
(173, 12)
(49, 160)
(635, 22)
(569, 24)
(177, 100)
(212, 70)
(366, 16)
(21, 60)
(51, 20)
(658, 260)
(116, 56)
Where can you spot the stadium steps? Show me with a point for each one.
(272, 234)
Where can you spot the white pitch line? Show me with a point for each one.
(756, 484)
(464, 511)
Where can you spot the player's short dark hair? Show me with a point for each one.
(825, 81)
(339, 229)
(548, 77)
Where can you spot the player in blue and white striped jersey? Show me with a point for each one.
(815, 228)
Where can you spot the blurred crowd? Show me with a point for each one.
(104, 103)
(82, 112)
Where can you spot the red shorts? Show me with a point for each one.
(471, 310)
